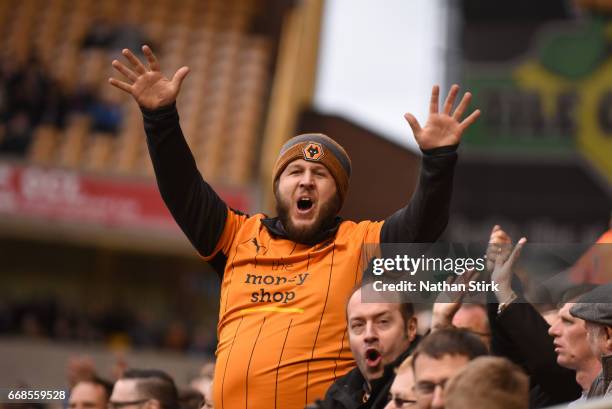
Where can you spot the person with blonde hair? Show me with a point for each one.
(488, 383)
(401, 395)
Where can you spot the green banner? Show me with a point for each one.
(556, 100)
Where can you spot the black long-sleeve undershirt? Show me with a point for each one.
(425, 217)
(195, 206)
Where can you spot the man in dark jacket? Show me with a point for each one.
(521, 334)
(381, 336)
(595, 308)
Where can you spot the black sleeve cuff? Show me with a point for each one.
(440, 150)
(159, 114)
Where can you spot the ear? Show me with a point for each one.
(608, 332)
(153, 404)
(411, 328)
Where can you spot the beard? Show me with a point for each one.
(307, 234)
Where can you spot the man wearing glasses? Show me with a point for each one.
(144, 389)
(438, 358)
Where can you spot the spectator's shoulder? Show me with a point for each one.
(348, 385)
(366, 231)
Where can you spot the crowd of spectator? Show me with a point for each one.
(117, 326)
(503, 355)
(31, 97)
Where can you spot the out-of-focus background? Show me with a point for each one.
(94, 271)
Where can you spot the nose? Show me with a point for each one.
(437, 400)
(553, 331)
(307, 179)
(370, 333)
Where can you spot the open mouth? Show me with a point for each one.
(373, 357)
(304, 204)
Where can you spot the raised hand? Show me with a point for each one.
(500, 245)
(147, 85)
(503, 261)
(447, 304)
(443, 128)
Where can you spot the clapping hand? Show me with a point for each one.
(447, 304)
(501, 258)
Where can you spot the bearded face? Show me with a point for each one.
(306, 200)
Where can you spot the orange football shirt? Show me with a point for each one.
(282, 326)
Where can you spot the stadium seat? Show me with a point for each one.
(221, 104)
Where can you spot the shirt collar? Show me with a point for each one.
(276, 228)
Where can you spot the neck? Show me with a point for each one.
(587, 374)
(606, 366)
(367, 391)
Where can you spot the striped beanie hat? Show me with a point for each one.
(316, 147)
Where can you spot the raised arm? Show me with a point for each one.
(519, 332)
(195, 206)
(426, 215)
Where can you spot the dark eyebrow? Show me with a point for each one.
(375, 316)
(380, 314)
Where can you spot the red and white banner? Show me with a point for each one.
(51, 194)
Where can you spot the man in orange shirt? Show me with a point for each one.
(285, 280)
